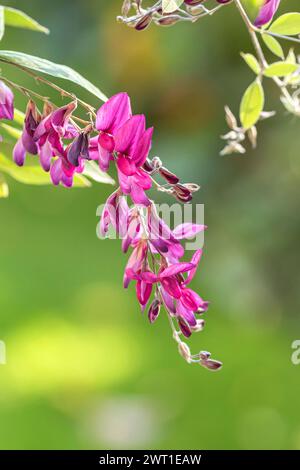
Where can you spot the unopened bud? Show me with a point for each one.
(168, 20)
(168, 175)
(230, 118)
(144, 22)
(184, 351)
(154, 310)
(211, 364)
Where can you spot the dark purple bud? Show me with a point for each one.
(154, 310)
(168, 20)
(211, 364)
(79, 149)
(184, 327)
(144, 22)
(168, 175)
(148, 166)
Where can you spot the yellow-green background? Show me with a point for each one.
(84, 367)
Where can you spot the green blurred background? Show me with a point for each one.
(84, 368)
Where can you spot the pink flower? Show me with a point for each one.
(132, 147)
(267, 12)
(6, 102)
(110, 117)
(26, 143)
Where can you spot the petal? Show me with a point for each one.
(176, 269)
(168, 301)
(138, 195)
(28, 142)
(143, 292)
(126, 166)
(6, 102)
(114, 113)
(46, 155)
(129, 134)
(191, 300)
(195, 260)
(19, 153)
(56, 172)
(185, 313)
(187, 230)
(267, 12)
(142, 179)
(143, 147)
(171, 285)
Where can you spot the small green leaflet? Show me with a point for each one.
(287, 24)
(2, 26)
(273, 45)
(169, 6)
(280, 69)
(34, 174)
(19, 19)
(252, 62)
(50, 68)
(4, 190)
(252, 104)
(12, 131)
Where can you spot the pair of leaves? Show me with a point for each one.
(286, 25)
(18, 19)
(277, 69)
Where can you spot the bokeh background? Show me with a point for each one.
(84, 368)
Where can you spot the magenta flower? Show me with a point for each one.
(110, 117)
(132, 147)
(26, 142)
(267, 12)
(6, 102)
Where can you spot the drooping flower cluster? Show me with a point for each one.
(155, 265)
(118, 137)
(186, 10)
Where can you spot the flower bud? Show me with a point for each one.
(184, 351)
(154, 310)
(144, 22)
(79, 149)
(168, 175)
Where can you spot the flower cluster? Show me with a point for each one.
(191, 10)
(118, 137)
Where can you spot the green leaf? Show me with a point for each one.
(50, 68)
(4, 190)
(287, 24)
(273, 45)
(92, 170)
(2, 25)
(12, 131)
(34, 174)
(169, 6)
(19, 117)
(252, 62)
(280, 69)
(252, 104)
(19, 19)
